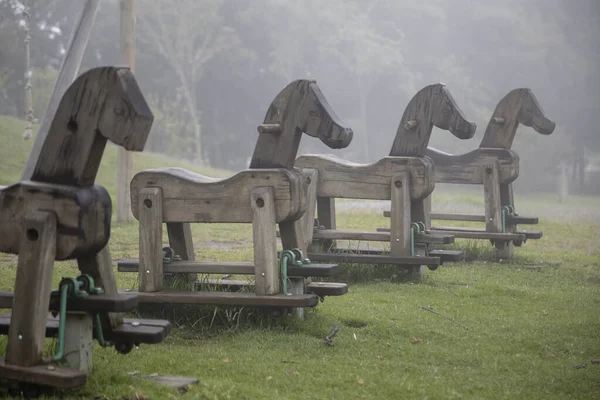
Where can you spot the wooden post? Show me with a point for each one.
(266, 268)
(151, 277)
(78, 341)
(68, 73)
(180, 240)
(32, 290)
(326, 217)
(125, 168)
(400, 215)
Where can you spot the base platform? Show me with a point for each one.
(45, 375)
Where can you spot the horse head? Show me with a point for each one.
(431, 106)
(299, 108)
(104, 103)
(518, 106)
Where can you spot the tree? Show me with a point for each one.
(188, 34)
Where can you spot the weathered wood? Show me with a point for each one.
(491, 196)
(510, 219)
(181, 241)
(339, 178)
(191, 197)
(61, 378)
(321, 289)
(100, 267)
(83, 216)
(78, 341)
(373, 259)
(447, 255)
(33, 285)
(519, 106)
(93, 304)
(466, 168)
(308, 218)
(266, 267)
(474, 233)
(400, 215)
(150, 205)
(299, 108)
(228, 299)
(102, 104)
(67, 74)
(431, 106)
(234, 268)
(326, 220)
(381, 235)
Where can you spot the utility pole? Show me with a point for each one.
(125, 168)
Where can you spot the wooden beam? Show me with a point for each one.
(125, 165)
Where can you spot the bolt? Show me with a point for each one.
(147, 271)
(20, 337)
(50, 367)
(398, 184)
(263, 274)
(397, 240)
(135, 323)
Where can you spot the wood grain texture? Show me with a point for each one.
(299, 108)
(191, 197)
(400, 217)
(102, 104)
(82, 216)
(181, 241)
(339, 178)
(150, 203)
(491, 197)
(266, 266)
(466, 168)
(431, 106)
(33, 286)
(519, 106)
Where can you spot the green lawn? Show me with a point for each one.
(504, 330)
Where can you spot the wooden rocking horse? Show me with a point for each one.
(270, 192)
(495, 166)
(59, 214)
(406, 178)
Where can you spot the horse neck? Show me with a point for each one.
(501, 136)
(412, 142)
(276, 150)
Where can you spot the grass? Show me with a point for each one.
(499, 330)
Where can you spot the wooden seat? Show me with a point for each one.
(406, 178)
(495, 166)
(271, 192)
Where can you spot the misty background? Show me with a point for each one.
(209, 70)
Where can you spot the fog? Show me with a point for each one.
(209, 70)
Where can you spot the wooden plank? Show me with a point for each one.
(266, 266)
(339, 178)
(47, 375)
(529, 234)
(181, 241)
(522, 220)
(151, 277)
(191, 197)
(448, 255)
(132, 330)
(228, 298)
(431, 106)
(323, 289)
(458, 217)
(491, 196)
(466, 168)
(381, 235)
(78, 341)
(308, 219)
(234, 268)
(474, 233)
(326, 220)
(400, 217)
(95, 303)
(373, 259)
(68, 72)
(33, 285)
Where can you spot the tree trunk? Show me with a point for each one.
(363, 111)
(28, 90)
(190, 100)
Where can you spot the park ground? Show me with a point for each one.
(524, 329)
